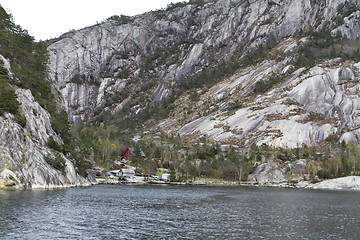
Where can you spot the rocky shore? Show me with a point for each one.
(344, 183)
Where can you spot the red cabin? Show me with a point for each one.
(129, 153)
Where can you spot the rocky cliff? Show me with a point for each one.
(24, 150)
(306, 109)
(149, 53)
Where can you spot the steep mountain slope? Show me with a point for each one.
(24, 154)
(26, 127)
(306, 108)
(107, 64)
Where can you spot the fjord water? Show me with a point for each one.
(179, 212)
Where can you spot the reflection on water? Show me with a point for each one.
(181, 212)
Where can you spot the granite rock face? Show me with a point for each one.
(23, 150)
(344, 183)
(273, 172)
(164, 46)
(267, 173)
(306, 108)
(22, 160)
(38, 120)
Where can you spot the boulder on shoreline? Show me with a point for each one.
(344, 183)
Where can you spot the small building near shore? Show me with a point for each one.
(130, 152)
(127, 173)
(165, 177)
(113, 173)
(124, 173)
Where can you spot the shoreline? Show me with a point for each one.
(13, 187)
(349, 183)
(344, 183)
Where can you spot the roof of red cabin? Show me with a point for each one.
(131, 152)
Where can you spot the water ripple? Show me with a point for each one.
(167, 212)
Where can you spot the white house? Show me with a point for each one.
(127, 173)
(165, 177)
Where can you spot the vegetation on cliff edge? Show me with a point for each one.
(29, 67)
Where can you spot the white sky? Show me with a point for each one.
(45, 19)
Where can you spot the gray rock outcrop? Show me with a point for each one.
(344, 183)
(273, 172)
(267, 173)
(164, 46)
(306, 109)
(22, 161)
(23, 150)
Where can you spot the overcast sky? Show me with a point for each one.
(45, 19)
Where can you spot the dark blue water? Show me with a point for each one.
(179, 212)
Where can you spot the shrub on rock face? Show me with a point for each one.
(53, 144)
(8, 98)
(8, 102)
(20, 119)
(122, 19)
(260, 87)
(57, 162)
